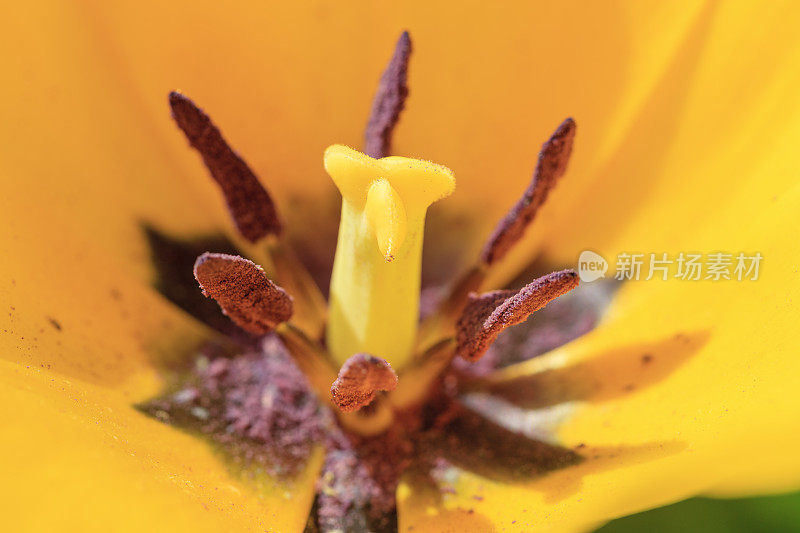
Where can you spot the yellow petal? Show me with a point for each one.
(82, 344)
(84, 117)
(301, 77)
(690, 151)
(79, 149)
(82, 335)
(81, 459)
(686, 388)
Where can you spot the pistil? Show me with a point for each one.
(374, 300)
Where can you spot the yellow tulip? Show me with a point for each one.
(689, 123)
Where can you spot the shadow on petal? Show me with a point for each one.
(568, 481)
(471, 443)
(599, 378)
(474, 443)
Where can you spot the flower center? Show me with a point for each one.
(364, 352)
(371, 321)
(353, 348)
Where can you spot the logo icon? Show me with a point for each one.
(591, 266)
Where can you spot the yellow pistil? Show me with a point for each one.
(374, 299)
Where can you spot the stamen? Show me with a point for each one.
(488, 314)
(257, 305)
(552, 164)
(248, 201)
(360, 378)
(389, 101)
(253, 212)
(243, 291)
